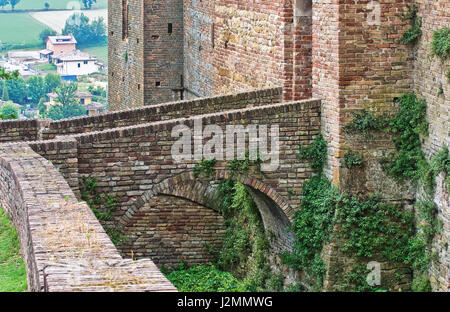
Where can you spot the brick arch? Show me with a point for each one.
(275, 211)
(202, 193)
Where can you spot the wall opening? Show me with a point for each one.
(125, 22)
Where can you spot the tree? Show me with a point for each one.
(5, 96)
(84, 31)
(69, 105)
(8, 75)
(3, 3)
(45, 33)
(13, 3)
(36, 89)
(88, 3)
(52, 81)
(17, 90)
(47, 5)
(9, 111)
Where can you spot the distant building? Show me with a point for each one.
(76, 63)
(84, 98)
(59, 45)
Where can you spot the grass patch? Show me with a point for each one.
(100, 51)
(25, 31)
(204, 279)
(13, 276)
(46, 67)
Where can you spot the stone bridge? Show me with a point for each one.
(167, 214)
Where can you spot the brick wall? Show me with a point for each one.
(126, 55)
(21, 130)
(429, 76)
(163, 111)
(64, 246)
(129, 162)
(197, 48)
(170, 230)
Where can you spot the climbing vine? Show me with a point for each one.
(246, 246)
(364, 123)
(408, 124)
(102, 206)
(414, 31)
(315, 153)
(352, 159)
(440, 44)
(205, 168)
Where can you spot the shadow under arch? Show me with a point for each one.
(275, 211)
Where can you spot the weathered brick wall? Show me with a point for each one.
(21, 130)
(64, 246)
(358, 63)
(429, 77)
(195, 48)
(170, 230)
(163, 111)
(163, 51)
(126, 55)
(130, 161)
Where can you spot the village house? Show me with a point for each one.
(84, 98)
(76, 63)
(57, 45)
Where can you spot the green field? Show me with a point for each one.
(101, 52)
(19, 29)
(54, 4)
(13, 276)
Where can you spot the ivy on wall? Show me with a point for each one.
(414, 31)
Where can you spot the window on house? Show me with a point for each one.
(125, 8)
(85, 62)
(79, 65)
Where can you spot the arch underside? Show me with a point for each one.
(187, 191)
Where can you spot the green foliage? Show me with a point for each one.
(13, 277)
(69, 105)
(447, 74)
(9, 111)
(88, 3)
(17, 90)
(52, 81)
(312, 227)
(245, 246)
(103, 207)
(5, 95)
(45, 33)
(441, 43)
(205, 168)
(204, 279)
(407, 126)
(415, 22)
(364, 123)
(316, 153)
(420, 253)
(352, 159)
(84, 31)
(36, 89)
(243, 165)
(4, 75)
(373, 228)
(440, 162)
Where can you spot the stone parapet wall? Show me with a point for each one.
(22, 130)
(64, 246)
(163, 111)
